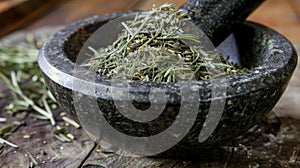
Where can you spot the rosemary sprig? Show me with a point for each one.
(20, 74)
(155, 47)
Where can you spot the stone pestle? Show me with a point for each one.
(217, 18)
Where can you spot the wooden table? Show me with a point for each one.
(274, 143)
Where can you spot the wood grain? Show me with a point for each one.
(281, 16)
(23, 13)
(5, 4)
(77, 9)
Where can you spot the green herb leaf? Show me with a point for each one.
(5, 142)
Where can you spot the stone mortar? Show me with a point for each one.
(270, 57)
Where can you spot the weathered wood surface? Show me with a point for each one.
(273, 143)
(16, 14)
(281, 16)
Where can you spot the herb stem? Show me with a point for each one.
(72, 122)
(5, 142)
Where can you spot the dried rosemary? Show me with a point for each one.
(20, 73)
(155, 47)
(3, 141)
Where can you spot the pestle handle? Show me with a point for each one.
(217, 18)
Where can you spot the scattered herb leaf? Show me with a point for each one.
(72, 122)
(5, 142)
(5, 129)
(20, 74)
(2, 120)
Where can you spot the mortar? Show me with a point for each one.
(270, 57)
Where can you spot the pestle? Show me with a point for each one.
(217, 18)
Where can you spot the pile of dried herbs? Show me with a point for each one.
(20, 74)
(155, 47)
